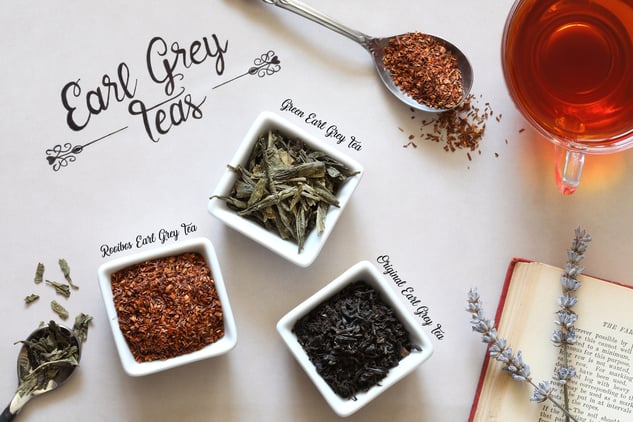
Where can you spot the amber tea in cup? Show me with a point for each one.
(568, 65)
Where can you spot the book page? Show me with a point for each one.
(603, 356)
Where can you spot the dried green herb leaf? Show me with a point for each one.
(270, 200)
(39, 273)
(82, 321)
(44, 358)
(258, 192)
(232, 202)
(59, 310)
(313, 169)
(60, 288)
(63, 265)
(286, 187)
(320, 219)
(31, 298)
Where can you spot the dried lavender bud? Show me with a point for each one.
(562, 374)
(565, 319)
(542, 392)
(567, 301)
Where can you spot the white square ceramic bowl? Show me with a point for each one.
(287, 249)
(365, 271)
(200, 245)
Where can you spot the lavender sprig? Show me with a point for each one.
(565, 333)
(500, 350)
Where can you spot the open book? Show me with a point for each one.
(602, 391)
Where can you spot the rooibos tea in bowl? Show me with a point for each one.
(354, 338)
(285, 189)
(168, 306)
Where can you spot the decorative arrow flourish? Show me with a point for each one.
(61, 155)
(265, 65)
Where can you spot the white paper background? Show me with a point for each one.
(446, 222)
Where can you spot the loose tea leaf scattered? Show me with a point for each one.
(82, 320)
(63, 265)
(80, 327)
(60, 288)
(461, 128)
(45, 357)
(287, 187)
(59, 310)
(422, 67)
(167, 307)
(39, 273)
(353, 339)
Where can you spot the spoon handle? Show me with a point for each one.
(314, 15)
(6, 415)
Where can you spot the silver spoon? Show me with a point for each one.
(27, 363)
(375, 47)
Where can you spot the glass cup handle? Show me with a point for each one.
(569, 165)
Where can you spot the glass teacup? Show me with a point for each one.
(568, 65)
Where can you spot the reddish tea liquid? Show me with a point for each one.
(569, 67)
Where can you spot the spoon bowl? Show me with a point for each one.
(55, 371)
(375, 46)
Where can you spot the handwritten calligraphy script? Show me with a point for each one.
(421, 310)
(166, 66)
